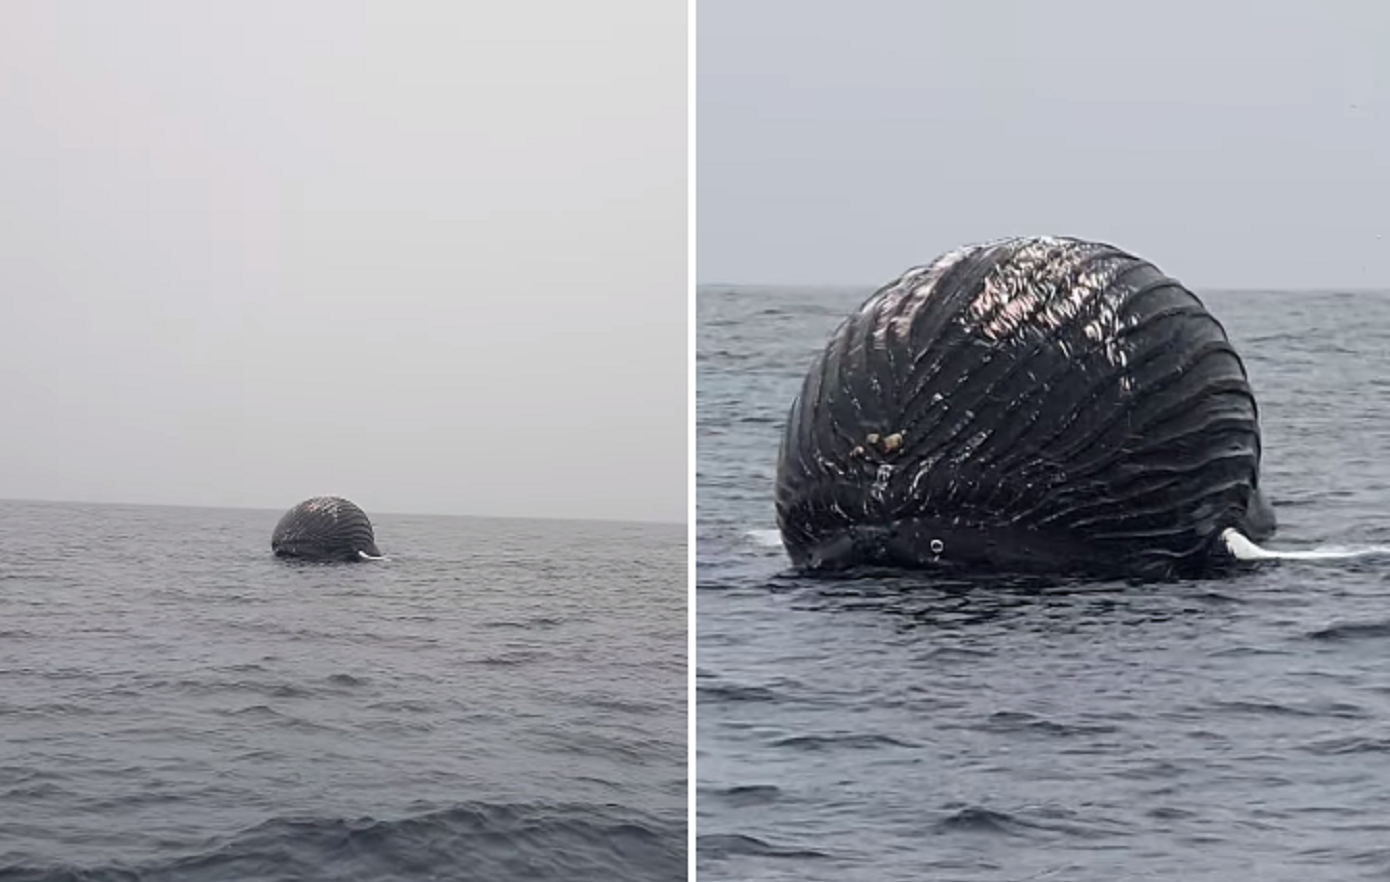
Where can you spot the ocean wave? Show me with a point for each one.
(851, 741)
(1349, 745)
(736, 692)
(979, 819)
(725, 845)
(1021, 722)
(469, 841)
(1374, 630)
(742, 795)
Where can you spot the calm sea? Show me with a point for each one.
(904, 730)
(501, 700)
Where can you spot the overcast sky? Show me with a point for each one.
(1235, 144)
(430, 256)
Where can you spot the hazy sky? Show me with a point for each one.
(1242, 144)
(430, 256)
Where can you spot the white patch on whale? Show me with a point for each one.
(1241, 548)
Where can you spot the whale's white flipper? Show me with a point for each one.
(365, 556)
(764, 538)
(1241, 548)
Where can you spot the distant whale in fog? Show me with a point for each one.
(325, 528)
(1028, 405)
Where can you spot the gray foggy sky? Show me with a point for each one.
(1240, 144)
(430, 256)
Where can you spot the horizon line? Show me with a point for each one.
(425, 514)
(1228, 289)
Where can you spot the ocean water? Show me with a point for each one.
(501, 700)
(904, 729)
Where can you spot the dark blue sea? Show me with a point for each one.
(904, 729)
(501, 700)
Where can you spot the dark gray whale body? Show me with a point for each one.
(1039, 405)
(325, 528)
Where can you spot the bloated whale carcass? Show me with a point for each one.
(325, 528)
(1030, 405)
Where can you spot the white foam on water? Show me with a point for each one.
(1242, 548)
(765, 538)
(365, 556)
